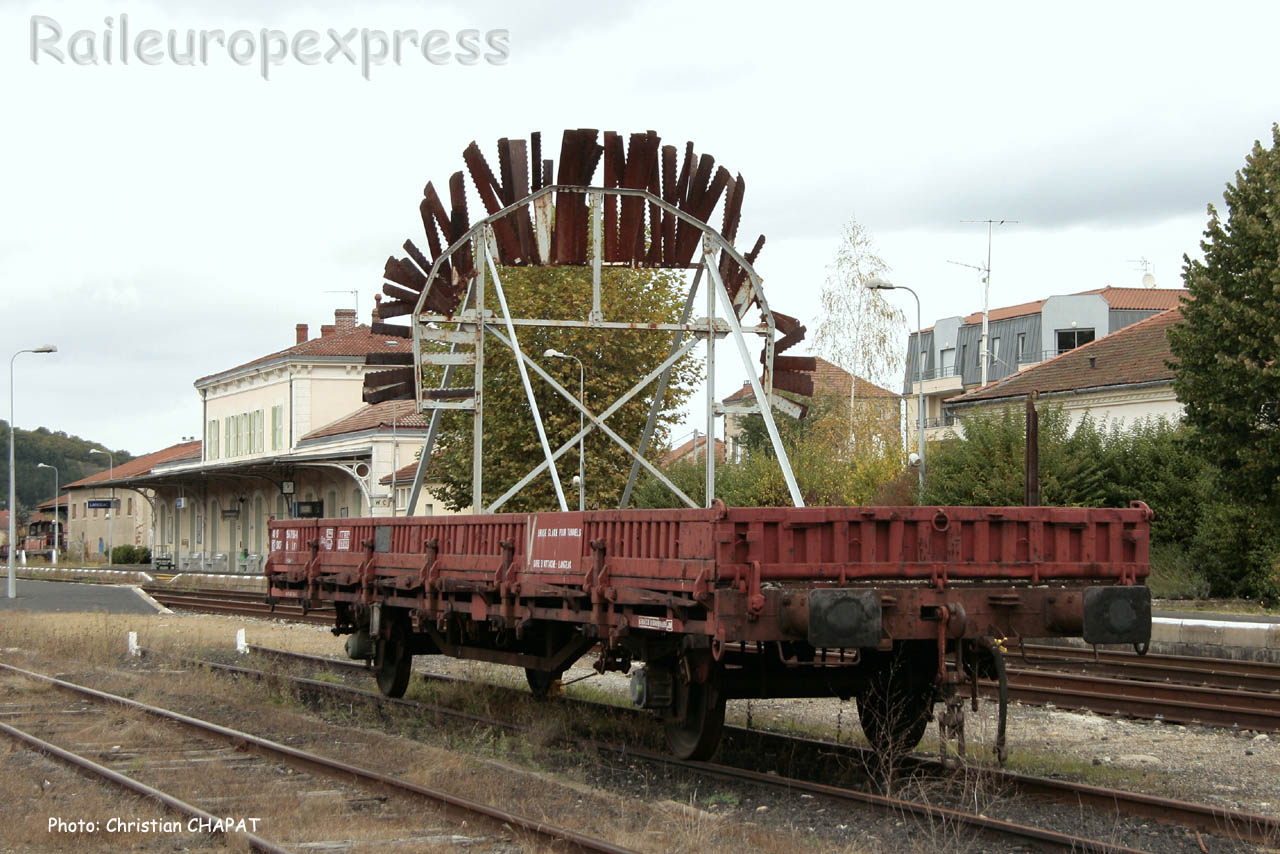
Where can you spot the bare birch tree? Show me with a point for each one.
(859, 330)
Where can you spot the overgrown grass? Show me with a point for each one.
(1174, 575)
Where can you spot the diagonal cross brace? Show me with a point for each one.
(766, 410)
(660, 392)
(596, 421)
(521, 358)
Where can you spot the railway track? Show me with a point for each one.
(238, 603)
(219, 742)
(85, 765)
(1231, 674)
(1176, 689)
(1247, 827)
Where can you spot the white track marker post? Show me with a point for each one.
(134, 652)
(241, 646)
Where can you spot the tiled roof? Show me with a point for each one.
(143, 464)
(829, 378)
(377, 416)
(1140, 299)
(357, 343)
(1005, 312)
(404, 474)
(1135, 354)
(4, 522)
(62, 500)
(687, 449)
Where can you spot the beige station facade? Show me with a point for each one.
(287, 434)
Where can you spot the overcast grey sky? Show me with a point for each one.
(162, 223)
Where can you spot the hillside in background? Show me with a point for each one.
(69, 453)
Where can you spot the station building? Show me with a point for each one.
(284, 435)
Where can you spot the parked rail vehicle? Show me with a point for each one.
(897, 607)
(724, 603)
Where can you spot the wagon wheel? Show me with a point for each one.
(696, 734)
(393, 665)
(541, 682)
(895, 708)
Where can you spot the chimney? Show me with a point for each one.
(344, 319)
(377, 306)
(302, 333)
(327, 329)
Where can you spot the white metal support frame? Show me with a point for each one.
(661, 392)
(766, 411)
(709, 442)
(433, 427)
(598, 421)
(479, 240)
(477, 423)
(514, 344)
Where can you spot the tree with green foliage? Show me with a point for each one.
(840, 457)
(987, 466)
(613, 359)
(1204, 540)
(70, 454)
(1226, 370)
(1227, 375)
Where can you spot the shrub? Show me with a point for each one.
(128, 554)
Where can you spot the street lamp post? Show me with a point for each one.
(111, 468)
(56, 488)
(878, 284)
(13, 437)
(582, 440)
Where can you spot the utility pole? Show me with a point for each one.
(986, 291)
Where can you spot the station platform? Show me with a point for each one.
(1253, 637)
(69, 597)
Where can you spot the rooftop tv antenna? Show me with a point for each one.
(986, 289)
(355, 296)
(1148, 278)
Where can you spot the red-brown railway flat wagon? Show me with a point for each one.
(728, 602)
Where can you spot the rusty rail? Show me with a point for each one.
(1176, 703)
(1181, 669)
(1039, 836)
(257, 843)
(1250, 827)
(239, 604)
(333, 768)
